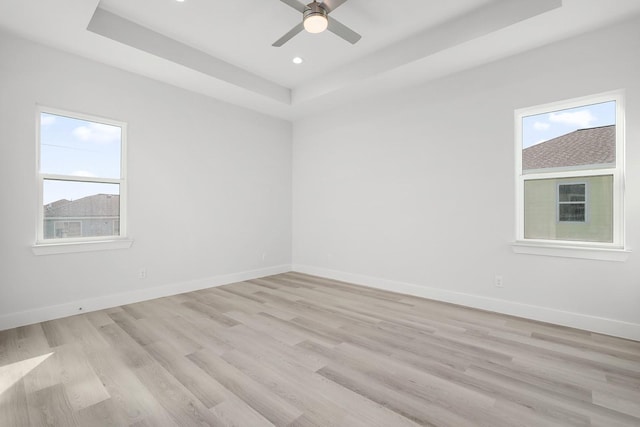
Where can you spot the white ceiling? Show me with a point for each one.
(241, 31)
(222, 48)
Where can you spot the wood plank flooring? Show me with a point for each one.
(298, 350)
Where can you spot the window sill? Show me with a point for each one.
(600, 254)
(66, 248)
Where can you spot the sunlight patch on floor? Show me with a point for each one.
(14, 372)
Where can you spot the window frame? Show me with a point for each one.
(617, 172)
(44, 246)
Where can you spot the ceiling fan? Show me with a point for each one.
(315, 19)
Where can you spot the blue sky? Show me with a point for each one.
(546, 126)
(78, 148)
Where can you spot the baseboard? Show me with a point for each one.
(544, 314)
(22, 318)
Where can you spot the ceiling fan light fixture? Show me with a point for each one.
(315, 18)
(315, 24)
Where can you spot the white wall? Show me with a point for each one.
(209, 188)
(414, 191)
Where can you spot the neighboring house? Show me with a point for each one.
(96, 215)
(575, 150)
(571, 208)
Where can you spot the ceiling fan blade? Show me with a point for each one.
(331, 5)
(341, 30)
(295, 4)
(295, 30)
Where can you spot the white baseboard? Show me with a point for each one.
(22, 318)
(544, 314)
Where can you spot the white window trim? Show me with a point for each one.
(44, 246)
(615, 251)
(591, 252)
(66, 248)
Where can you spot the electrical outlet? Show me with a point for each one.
(142, 273)
(499, 282)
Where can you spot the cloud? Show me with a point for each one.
(581, 119)
(541, 126)
(98, 133)
(46, 120)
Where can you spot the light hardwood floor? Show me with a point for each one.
(297, 350)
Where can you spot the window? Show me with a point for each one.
(572, 202)
(81, 176)
(570, 170)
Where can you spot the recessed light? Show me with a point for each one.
(298, 60)
(180, 1)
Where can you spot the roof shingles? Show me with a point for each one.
(592, 146)
(96, 205)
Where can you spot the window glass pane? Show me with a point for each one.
(66, 229)
(547, 217)
(571, 212)
(571, 192)
(77, 147)
(571, 139)
(80, 209)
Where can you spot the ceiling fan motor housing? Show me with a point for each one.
(314, 9)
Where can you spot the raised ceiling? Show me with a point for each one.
(222, 48)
